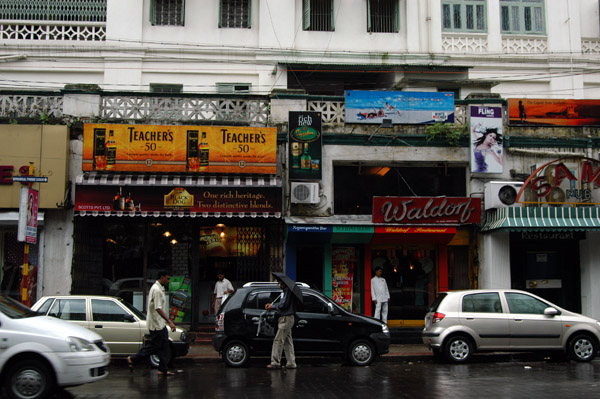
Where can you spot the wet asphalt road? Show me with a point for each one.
(316, 378)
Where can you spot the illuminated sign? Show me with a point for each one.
(426, 210)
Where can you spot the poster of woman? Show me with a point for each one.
(486, 140)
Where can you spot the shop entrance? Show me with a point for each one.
(410, 274)
(548, 268)
(309, 266)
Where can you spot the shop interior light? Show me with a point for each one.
(221, 230)
(173, 241)
(167, 234)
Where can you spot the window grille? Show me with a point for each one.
(233, 88)
(382, 16)
(522, 17)
(54, 10)
(167, 12)
(464, 16)
(235, 13)
(165, 88)
(317, 15)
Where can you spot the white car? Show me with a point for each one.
(40, 353)
(121, 325)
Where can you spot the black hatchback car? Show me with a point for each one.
(244, 328)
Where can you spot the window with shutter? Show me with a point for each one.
(167, 12)
(464, 16)
(522, 17)
(317, 15)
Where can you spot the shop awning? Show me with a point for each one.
(156, 195)
(548, 219)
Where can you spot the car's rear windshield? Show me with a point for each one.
(437, 302)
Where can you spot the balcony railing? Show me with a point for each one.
(161, 109)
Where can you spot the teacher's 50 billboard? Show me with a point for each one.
(192, 149)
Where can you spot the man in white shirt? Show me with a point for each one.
(223, 288)
(157, 321)
(380, 295)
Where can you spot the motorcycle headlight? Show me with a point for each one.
(384, 328)
(80, 345)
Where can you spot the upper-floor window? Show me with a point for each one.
(464, 15)
(165, 88)
(522, 16)
(167, 12)
(235, 13)
(383, 16)
(317, 15)
(233, 88)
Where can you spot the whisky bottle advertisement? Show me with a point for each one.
(203, 154)
(99, 155)
(305, 145)
(111, 151)
(193, 162)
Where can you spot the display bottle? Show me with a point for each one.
(117, 200)
(111, 151)
(305, 159)
(99, 158)
(203, 154)
(192, 150)
(296, 155)
(129, 204)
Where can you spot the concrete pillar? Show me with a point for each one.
(494, 260)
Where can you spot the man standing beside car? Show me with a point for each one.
(157, 321)
(223, 288)
(380, 295)
(283, 339)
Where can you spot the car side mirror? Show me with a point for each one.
(551, 311)
(330, 309)
(129, 318)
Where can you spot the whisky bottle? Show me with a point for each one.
(117, 200)
(111, 151)
(203, 153)
(129, 204)
(296, 155)
(99, 150)
(305, 158)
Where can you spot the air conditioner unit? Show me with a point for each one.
(501, 194)
(304, 193)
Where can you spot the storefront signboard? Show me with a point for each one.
(426, 210)
(365, 106)
(550, 112)
(168, 198)
(342, 268)
(294, 228)
(305, 145)
(189, 149)
(563, 182)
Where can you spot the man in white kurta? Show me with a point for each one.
(223, 288)
(380, 295)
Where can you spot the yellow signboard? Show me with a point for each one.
(191, 149)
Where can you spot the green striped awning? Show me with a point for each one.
(547, 219)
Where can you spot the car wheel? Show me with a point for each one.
(458, 349)
(235, 354)
(153, 361)
(361, 353)
(29, 379)
(582, 348)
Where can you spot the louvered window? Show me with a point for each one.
(317, 15)
(464, 16)
(383, 16)
(233, 88)
(167, 12)
(235, 13)
(522, 16)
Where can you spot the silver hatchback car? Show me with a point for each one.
(460, 323)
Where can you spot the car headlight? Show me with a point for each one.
(80, 345)
(384, 328)
(183, 337)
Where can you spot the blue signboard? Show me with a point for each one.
(402, 107)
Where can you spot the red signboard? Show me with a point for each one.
(426, 210)
(551, 112)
